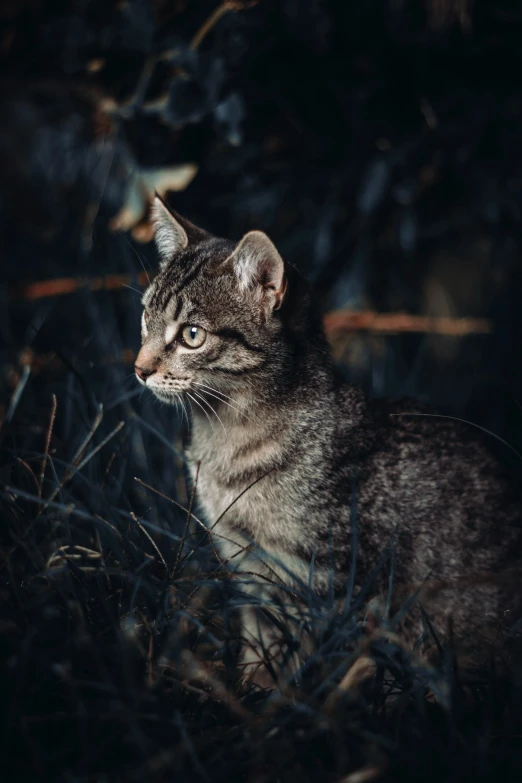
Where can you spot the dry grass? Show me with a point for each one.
(120, 642)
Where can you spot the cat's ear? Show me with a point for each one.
(259, 268)
(172, 233)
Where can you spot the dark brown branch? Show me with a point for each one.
(336, 323)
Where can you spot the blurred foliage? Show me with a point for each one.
(377, 143)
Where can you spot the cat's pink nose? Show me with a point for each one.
(146, 362)
(143, 372)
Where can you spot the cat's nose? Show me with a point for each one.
(143, 372)
(146, 362)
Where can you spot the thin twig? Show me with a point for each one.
(78, 463)
(29, 470)
(220, 517)
(17, 394)
(75, 460)
(47, 445)
(179, 505)
(69, 285)
(147, 534)
(208, 530)
(100, 446)
(340, 321)
(187, 523)
(215, 16)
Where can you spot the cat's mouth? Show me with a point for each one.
(166, 389)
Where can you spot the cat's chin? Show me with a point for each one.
(169, 397)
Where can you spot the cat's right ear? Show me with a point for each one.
(172, 233)
(260, 269)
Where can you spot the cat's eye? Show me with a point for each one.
(146, 317)
(193, 336)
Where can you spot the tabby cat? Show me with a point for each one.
(288, 452)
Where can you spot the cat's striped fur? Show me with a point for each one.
(270, 412)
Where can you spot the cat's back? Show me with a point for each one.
(431, 475)
(416, 439)
(409, 438)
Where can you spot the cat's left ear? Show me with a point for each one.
(260, 269)
(172, 232)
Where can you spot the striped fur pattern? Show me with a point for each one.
(272, 419)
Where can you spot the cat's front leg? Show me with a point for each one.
(261, 651)
(266, 657)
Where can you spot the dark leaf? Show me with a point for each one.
(230, 113)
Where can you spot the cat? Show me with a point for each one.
(289, 457)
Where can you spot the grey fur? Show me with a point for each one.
(285, 419)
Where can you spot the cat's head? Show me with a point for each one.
(212, 316)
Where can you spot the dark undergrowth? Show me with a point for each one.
(120, 640)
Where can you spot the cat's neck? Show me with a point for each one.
(269, 406)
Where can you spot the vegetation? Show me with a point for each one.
(378, 145)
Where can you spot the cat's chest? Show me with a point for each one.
(249, 506)
(236, 470)
(241, 482)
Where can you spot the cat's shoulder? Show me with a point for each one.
(356, 408)
(410, 426)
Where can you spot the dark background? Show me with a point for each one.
(379, 145)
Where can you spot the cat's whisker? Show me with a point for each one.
(222, 393)
(179, 407)
(138, 257)
(202, 408)
(182, 402)
(213, 411)
(190, 405)
(132, 289)
(230, 405)
(231, 402)
(178, 404)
